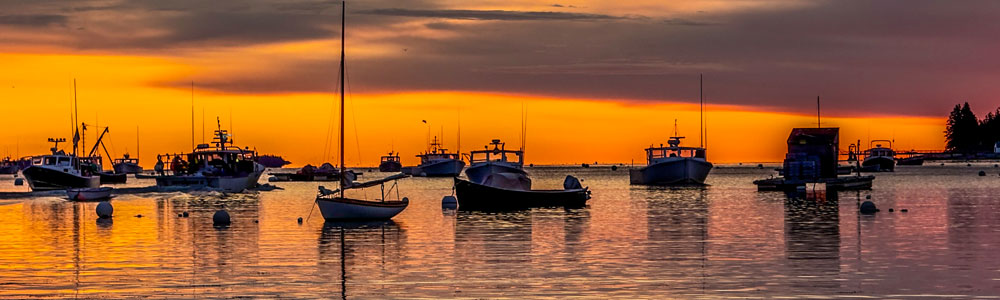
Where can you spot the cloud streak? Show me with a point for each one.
(491, 15)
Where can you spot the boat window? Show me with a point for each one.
(63, 161)
(36, 161)
(50, 161)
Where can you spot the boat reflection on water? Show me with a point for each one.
(373, 250)
(812, 239)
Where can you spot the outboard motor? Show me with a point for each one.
(571, 183)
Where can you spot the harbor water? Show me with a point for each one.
(724, 240)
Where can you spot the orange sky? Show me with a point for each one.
(124, 92)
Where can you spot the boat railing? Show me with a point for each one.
(664, 152)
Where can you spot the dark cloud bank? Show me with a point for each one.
(911, 57)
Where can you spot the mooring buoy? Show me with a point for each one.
(449, 202)
(868, 208)
(221, 218)
(105, 210)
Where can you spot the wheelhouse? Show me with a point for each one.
(498, 154)
(673, 150)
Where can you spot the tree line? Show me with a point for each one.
(965, 133)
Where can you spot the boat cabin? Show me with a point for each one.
(879, 151)
(126, 160)
(392, 157)
(673, 150)
(62, 162)
(498, 154)
(436, 153)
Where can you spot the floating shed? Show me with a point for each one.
(812, 158)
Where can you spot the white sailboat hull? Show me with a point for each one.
(675, 171)
(342, 209)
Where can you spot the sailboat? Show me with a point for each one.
(674, 164)
(332, 203)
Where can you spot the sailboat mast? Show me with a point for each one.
(701, 111)
(137, 142)
(343, 27)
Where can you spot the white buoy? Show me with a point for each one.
(449, 202)
(105, 210)
(221, 218)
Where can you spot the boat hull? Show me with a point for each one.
(229, 184)
(683, 170)
(44, 179)
(127, 168)
(478, 172)
(442, 168)
(113, 178)
(89, 194)
(478, 197)
(390, 166)
(879, 164)
(911, 161)
(345, 209)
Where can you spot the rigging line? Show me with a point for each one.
(328, 144)
(354, 114)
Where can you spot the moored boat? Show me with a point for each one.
(9, 166)
(89, 194)
(58, 171)
(126, 165)
(438, 162)
(334, 205)
(488, 161)
(224, 167)
(325, 172)
(390, 163)
(878, 158)
(494, 197)
(672, 165)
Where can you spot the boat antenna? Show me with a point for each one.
(701, 112)
(817, 113)
(343, 28)
(192, 114)
(202, 123)
(137, 141)
(459, 144)
(76, 117)
(675, 127)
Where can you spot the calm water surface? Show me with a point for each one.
(726, 240)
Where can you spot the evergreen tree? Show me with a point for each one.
(962, 132)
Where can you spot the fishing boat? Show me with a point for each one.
(438, 162)
(58, 171)
(89, 194)
(390, 163)
(878, 158)
(512, 191)
(334, 205)
(916, 160)
(488, 161)
(223, 166)
(95, 162)
(672, 165)
(127, 165)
